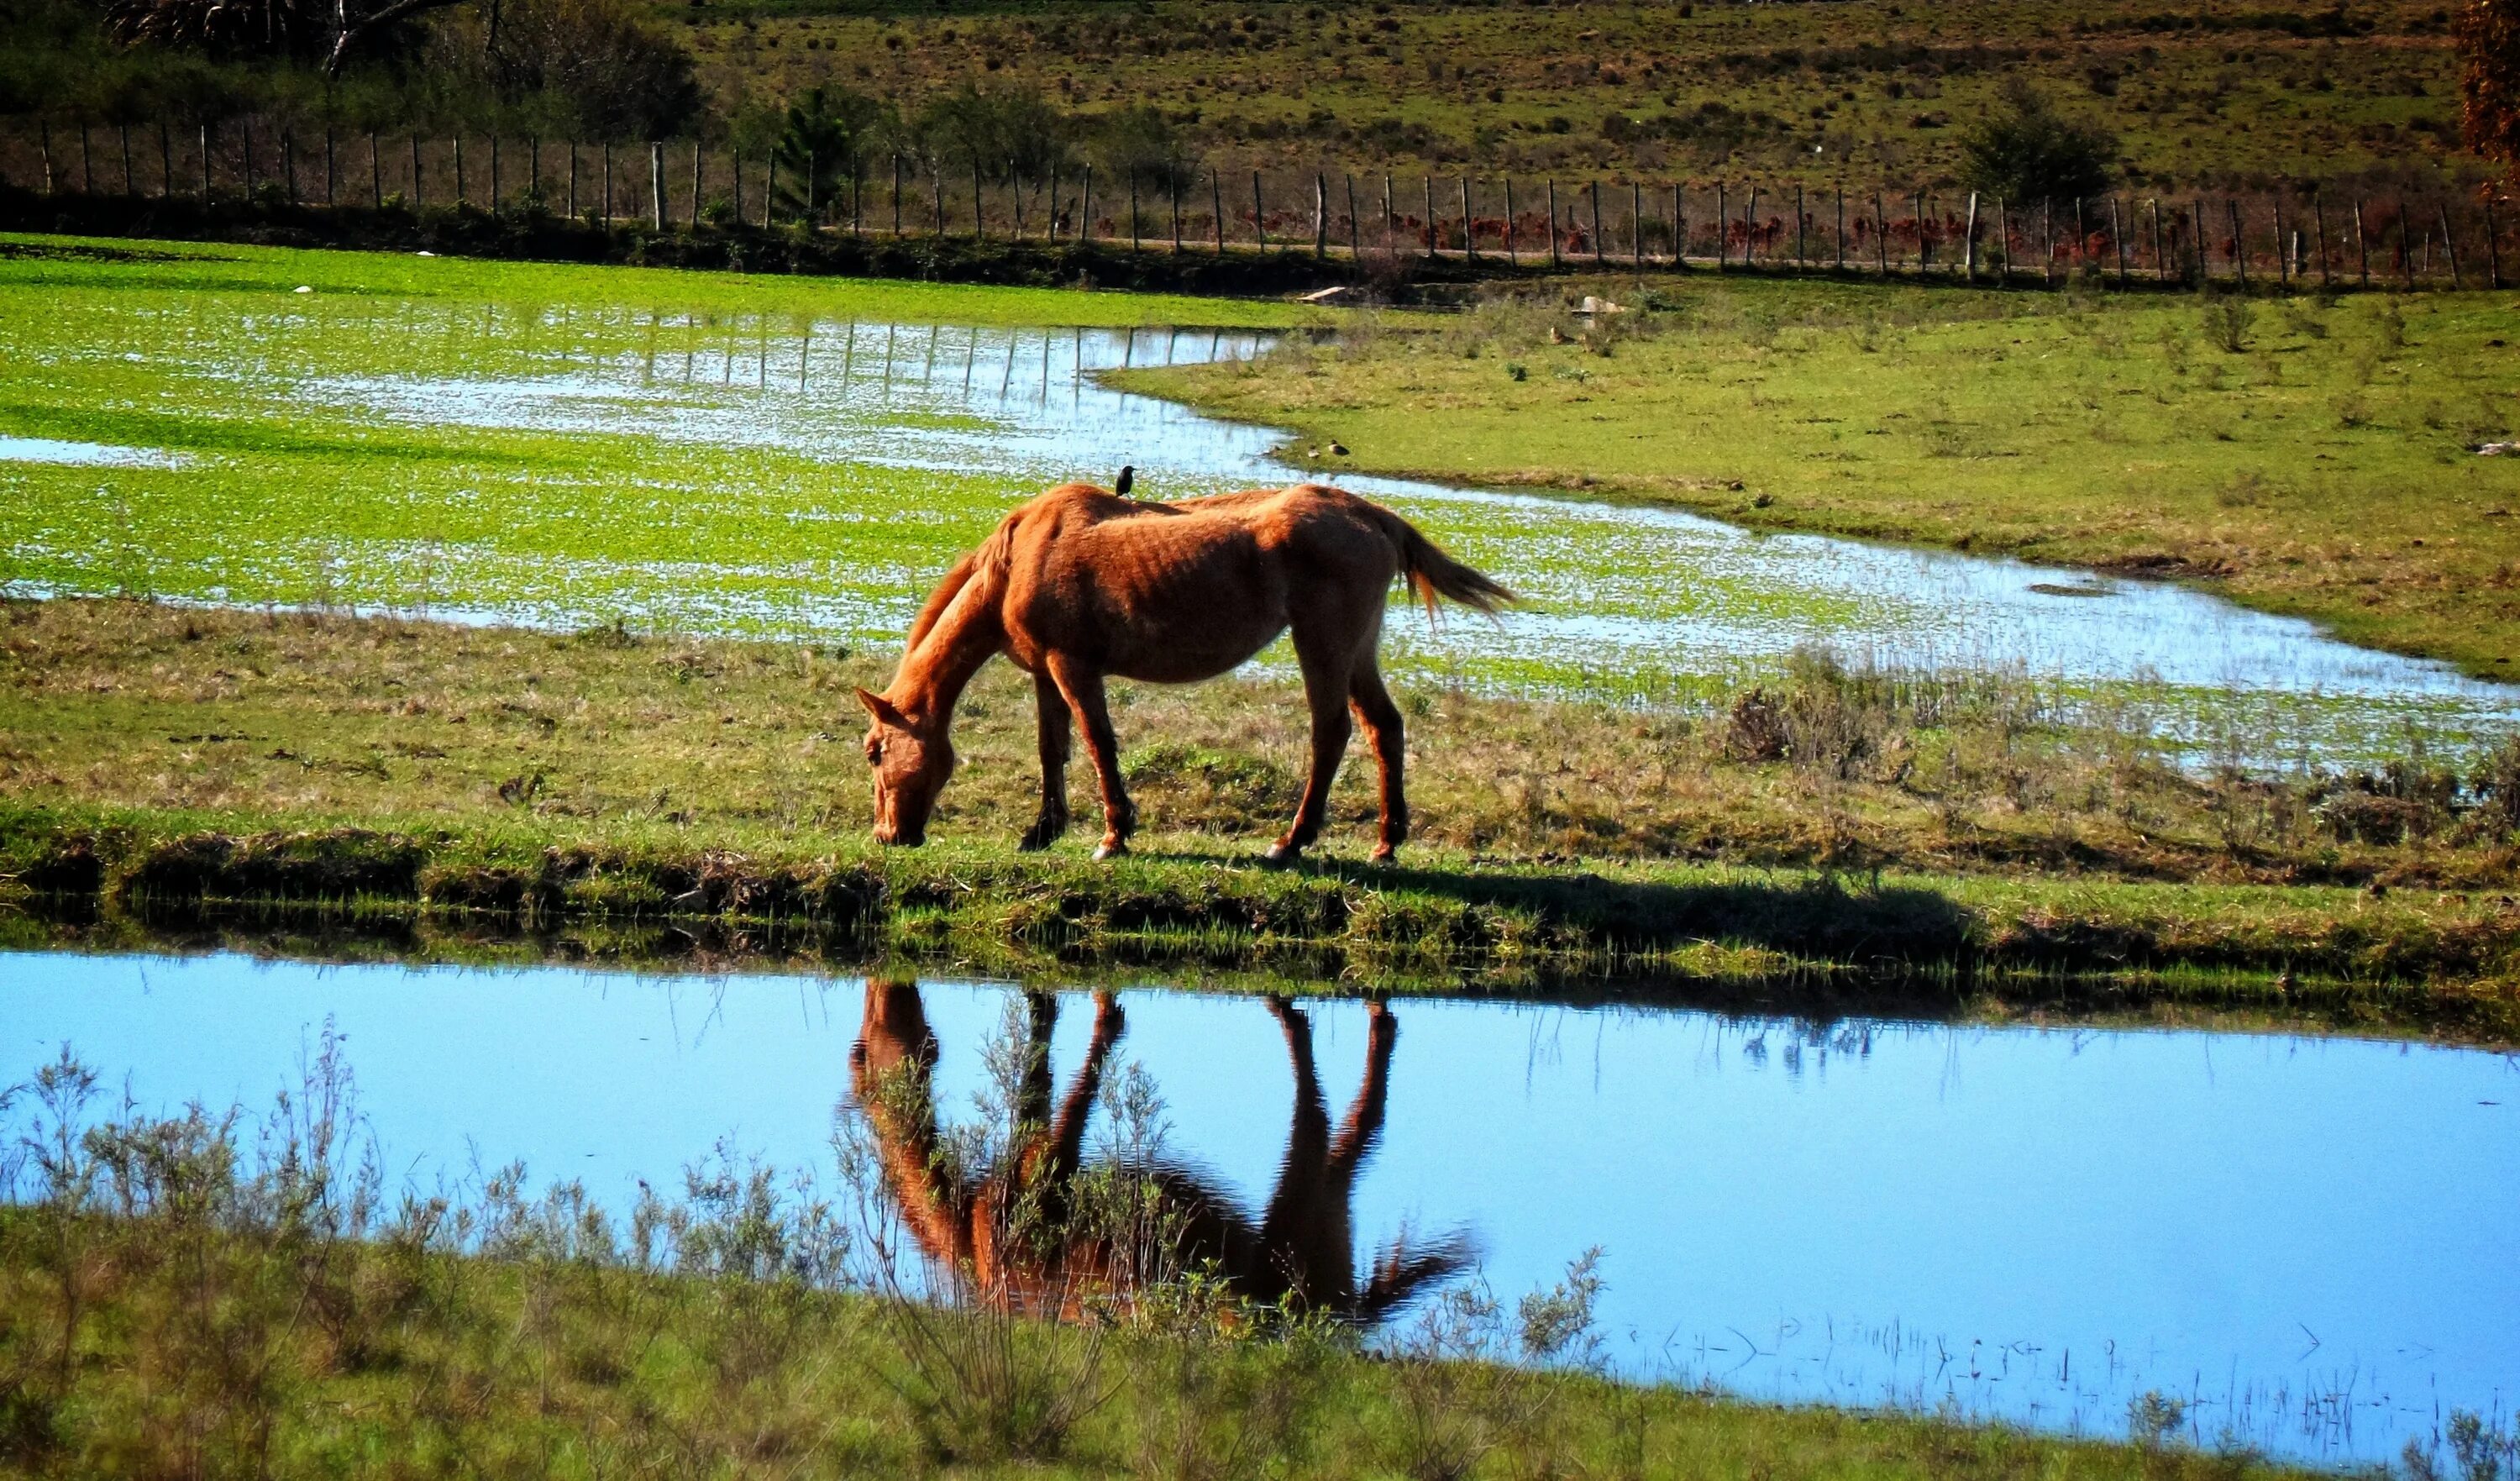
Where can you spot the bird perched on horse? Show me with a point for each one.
(1079, 584)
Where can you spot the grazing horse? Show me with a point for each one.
(1014, 1233)
(1078, 584)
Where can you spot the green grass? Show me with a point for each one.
(224, 1294)
(291, 491)
(2320, 470)
(348, 446)
(1865, 93)
(169, 761)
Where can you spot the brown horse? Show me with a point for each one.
(1010, 1230)
(1079, 584)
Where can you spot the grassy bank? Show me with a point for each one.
(243, 1293)
(165, 757)
(2303, 455)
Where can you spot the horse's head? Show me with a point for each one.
(911, 761)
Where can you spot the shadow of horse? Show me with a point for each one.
(1822, 915)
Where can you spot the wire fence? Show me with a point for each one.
(2308, 236)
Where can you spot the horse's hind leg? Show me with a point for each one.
(1082, 687)
(1325, 691)
(1055, 719)
(1382, 719)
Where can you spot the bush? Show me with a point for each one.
(2025, 152)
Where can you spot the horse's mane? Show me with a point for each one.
(988, 564)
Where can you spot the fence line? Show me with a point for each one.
(2299, 238)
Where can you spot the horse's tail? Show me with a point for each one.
(1431, 573)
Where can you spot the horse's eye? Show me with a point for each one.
(875, 754)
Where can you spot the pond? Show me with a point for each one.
(2306, 1238)
(807, 479)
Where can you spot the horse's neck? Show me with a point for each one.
(966, 635)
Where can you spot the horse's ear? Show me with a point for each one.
(882, 708)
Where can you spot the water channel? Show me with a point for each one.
(2306, 1238)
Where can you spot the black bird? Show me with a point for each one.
(1128, 478)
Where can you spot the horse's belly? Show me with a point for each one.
(1188, 658)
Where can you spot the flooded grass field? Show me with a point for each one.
(559, 448)
(2300, 1239)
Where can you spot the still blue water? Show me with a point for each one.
(2310, 1239)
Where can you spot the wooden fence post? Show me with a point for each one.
(415, 173)
(1678, 226)
(1173, 177)
(1596, 223)
(87, 167)
(1470, 236)
(1924, 244)
(1968, 246)
(1750, 229)
(1636, 221)
(2449, 243)
(980, 200)
(1259, 211)
(1723, 228)
(1216, 193)
(2493, 249)
(656, 184)
(2319, 221)
(1355, 228)
(1802, 258)
(1512, 256)
(454, 146)
(1390, 215)
(288, 167)
(2239, 243)
(328, 164)
(1553, 222)
(2283, 247)
(1427, 185)
(1321, 217)
(1136, 242)
(1880, 234)
(44, 146)
(166, 161)
(1841, 228)
(936, 195)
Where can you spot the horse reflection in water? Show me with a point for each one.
(1015, 1233)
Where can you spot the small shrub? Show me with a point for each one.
(2226, 320)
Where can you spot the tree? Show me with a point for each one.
(1009, 130)
(2027, 152)
(2489, 49)
(331, 29)
(589, 69)
(819, 138)
(1140, 141)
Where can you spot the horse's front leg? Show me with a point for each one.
(1082, 687)
(1054, 721)
(1326, 694)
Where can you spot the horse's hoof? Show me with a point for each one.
(1282, 853)
(1109, 850)
(1386, 854)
